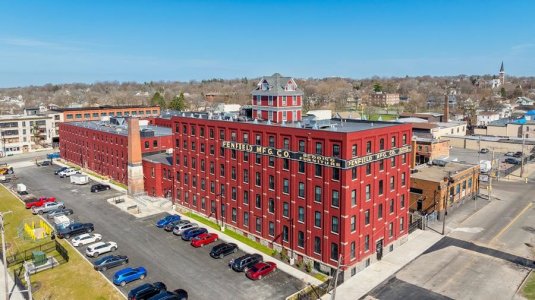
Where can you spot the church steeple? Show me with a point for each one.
(502, 75)
(501, 68)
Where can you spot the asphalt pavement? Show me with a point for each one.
(166, 257)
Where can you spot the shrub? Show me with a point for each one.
(284, 255)
(308, 266)
(275, 253)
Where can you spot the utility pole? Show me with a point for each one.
(490, 177)
(333, 296)
(522, 159)
(446, 204)
(4, 254)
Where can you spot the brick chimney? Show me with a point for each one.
(446, 117)
(135, 167)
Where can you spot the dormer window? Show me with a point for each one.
(265, 86)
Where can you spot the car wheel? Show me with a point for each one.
(96, 254)
(259, 277)
(142, 277)
(113, 249)
(40, 212)
(124, 262)
(103, 269)
(108, 188)
(220, 255)
(123, 283)
(89, 230)
(215, 240)
(235, 250)
(202, 245)
(67, 236)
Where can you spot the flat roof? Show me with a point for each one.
(163, 158)
(332, 125)
(120, 129)
(22, 117)
(62, 109)
(438, 173)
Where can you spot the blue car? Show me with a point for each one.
(166, 220)
(126, 275)
(190, 234)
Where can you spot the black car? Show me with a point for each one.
(44, 163)
(99, 187)
(146, 290)
(110, 261)
(517, 154)
(179, 294)
(74, 229)
(60, 170)
(512, 161)
(242, 263)
(223, 249)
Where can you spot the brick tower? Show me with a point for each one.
(135, 167)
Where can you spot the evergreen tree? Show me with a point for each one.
(178, 102)
(158, 100)
(377, 87)
(502, 92)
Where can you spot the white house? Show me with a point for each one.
(485, 117)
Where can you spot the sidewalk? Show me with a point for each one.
(248, 249)
(366, 280)
(13, 289)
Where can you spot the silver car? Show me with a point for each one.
(178, 230)
(59, 212)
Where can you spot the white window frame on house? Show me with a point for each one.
(270, 100)
(270, 115)
(294, 115)
(294, 100)
(284, 116)
(284, 101)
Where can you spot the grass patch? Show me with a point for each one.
(124, 186)
(95, 174)
(384, 117)
(529, 287)
(232, 234)
(320, 276)
(73, 280)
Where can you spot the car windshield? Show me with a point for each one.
(254, 269)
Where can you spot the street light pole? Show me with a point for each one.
(4, 254)
(522, 158)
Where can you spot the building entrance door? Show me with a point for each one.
(379, 249)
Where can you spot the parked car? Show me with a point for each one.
(49, 206)
(126, 275)
(509, 154)
(179, 294)
(39, 202)
(242, 263)
(59, 212)
(68, 173)
(166, 220)
(518, 154)
(146, 290)
(180, 229)
(60, 170)
(190, 234)
(99, 248)
(22, 193)
(74, 229)
(44, 163)
(484, 150)
(172, 225)
(512, 161)
(223, 249)
(99, 187)
(110, 261)
(86, 238)
(204, 239)
(261, 269)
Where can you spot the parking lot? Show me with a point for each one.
(166, 257)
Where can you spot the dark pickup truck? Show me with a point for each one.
(74, 229)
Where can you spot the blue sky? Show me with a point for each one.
(87, 41)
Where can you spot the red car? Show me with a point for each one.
(39, 202)
(260, 270)
(204, 239)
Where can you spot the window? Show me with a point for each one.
(212, 168)
(246, 138)
(301, 146)
(234, 215)
(335, 199)
(212, 149)
(246, 219)
(336, 150)
(147, 145)
(334, 224)
(300, 239)
(380, 211)
(317, 170)
(366, 243)
(369, 169)
(368, 147)
(285, 164)
(391, 229)
(391, 205)
(258, 224)
(353, 197)
(285, 186)
(334, 251)
(380, 187)
(221, 169)
(402, 201)
(203, 203)
(301, 214)
(245, 176)
(234, 193)
(404, 158)
(319, 148)
(367, 217)
(301, 167)
(285, 209)
(393, 142)
(246, 156)
(393, 162)
(211, 133)
(285, 233)
(271, 228)
(271, 205)
(401, 224)
(301, 190)
(271, 161)
(354, 150)
(246, 197)
(368, 193)
(317, 219)
(404, 139)
(317, 194)
(382, 165)
(258, 201)
(382, 144)
(258, 139)
(336, 174)
(354, 173)
(392, 183)
(402, 179)
(212, 187)
(202, 132)
(258, 159)
(317, 244)
(286, 144)
(222, 134)
(353, 223)
(258, 179)
(271, 141)
(352, 250)
(271, 182)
